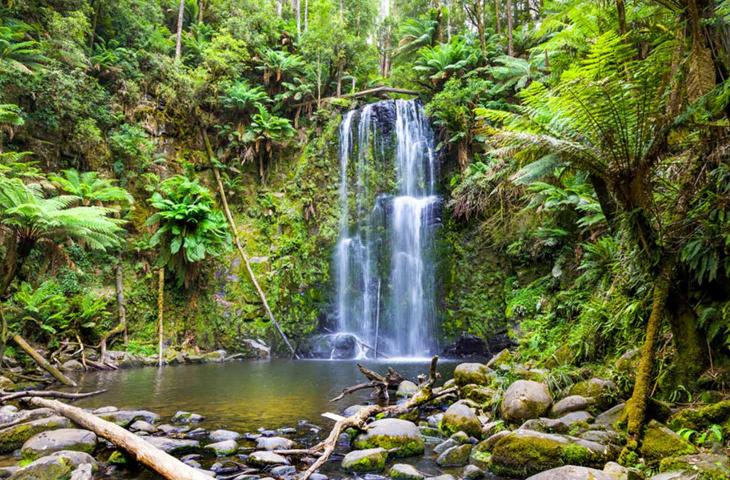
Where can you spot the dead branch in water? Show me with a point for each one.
(425, 394)
(42, 362)
(7, 396)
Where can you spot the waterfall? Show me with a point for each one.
(384, 271)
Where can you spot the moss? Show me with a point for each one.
(514, 456)
(707, 466)
(14, 437)
(574, 454)
(701, 418)
(660, 442)
(398, 446)
(118, 458)
(371, 460)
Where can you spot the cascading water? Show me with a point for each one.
(384, 271)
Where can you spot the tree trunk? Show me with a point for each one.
(178, 41)
(621, 13)
(42, 362)
(462, 154)
(605, 200)
(120, 301)
(636, 406)
(160, 311)
(242, 253)
(691, 351)
(497, 23)
(145, 453)
(16, 253)
(510, 46)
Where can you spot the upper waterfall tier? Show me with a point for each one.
(384, 268)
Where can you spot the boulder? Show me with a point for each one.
(142, 426)
(524, 452)
(484, 396)
(611, 416)
(264, 458)
(572, 403)
(500, 359)
(445, 445)
(460, 418)
(661, 442)
(221, 435)
(403, 471)
(472, 472)
(525, 399)
(406, 389)
(9, 414)
(572, 472)
(455, 456)
(702, 417)
(602, 392)
(223, 448)
(73, 439)
(55, 466)
(124, 418)
(675, 476)
(283, 471)
(82, 472)
(352, 410)
(619, 472)
(476, 373)
(174, 446)
(173, 429)
(187, 417)
(400, 437)
(707, 465)
(368, 460)
(255, 349)
(72, 366)
(13, 437)
(274, 443)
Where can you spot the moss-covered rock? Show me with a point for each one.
(602, 392)
(457, 456)
(400, 437)
(524, 452)
(701, 418)
(482, 395)
(500, 359)
(460, 418)
(708, 466)
(403, 471)
(12, 438)
(73, 439)
(572, 472)
(58, 465)
(476, 373)
(660, 442)
(406, 389)
(572, 403)
(525, 399)
(368, 460)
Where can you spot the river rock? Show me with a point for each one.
(572, 472)
(187, 417)
(525, 399)
(675, 476)
(524, 452)
(73, 439)
(368, 460)
(479, 394)
(221, 435)
(460, 418)
(444, 476)
(283, 471)
(107, 409)
(602, 392)
(9, 414)
(55, 466)
(82, 472)
(255, 349)
(708, 465)
(226, 447)
(174, 446)
(400, 437)
(472, 472)
(573, 403)
(445, 445)
(142, 426)
(619, 472)
(168, 429)
(455, 456)
(661, 442)
(274, 443)
(702, 417)
(13, 437)
(403, 471)
(500, 359)
(406, 388)
(476, 373)
(264, 458)
(352, 410)
(124, 418)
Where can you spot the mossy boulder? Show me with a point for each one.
(525, 399)
(460, 418)
(174, 446)
(403, 471)
(701, 418)
(73, 439)
(500, 359)
(400, 437)
(660, 442)
(708, 466)
(602, 392)
(368, 460)
(58, 465)
(223, 448)
(476, 373)
(572, 472)
(572, 403)
(482, 395)
(12, 438)
(264, 458)
(457, 456)
(525, 452)
(124, 418)
(406, 389)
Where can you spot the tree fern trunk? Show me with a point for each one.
(178, 41)
(160, 312)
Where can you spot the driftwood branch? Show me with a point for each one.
(424, 395)
(362, 93)
(145, 453)
(6, 396)
(42, 362)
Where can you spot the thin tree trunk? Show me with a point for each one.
(180, 18)
(306, 15)
(510, 46)
(691, 351)
(636, 406)
(236, 238)
(145, 453)
(160, 312)
(42, 362)
(621, 13)
(120, 302)
(497, 23)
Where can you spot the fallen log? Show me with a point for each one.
(42, 362)
(6, 396)
(425, 394)
(164, 464)
(361, 93)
